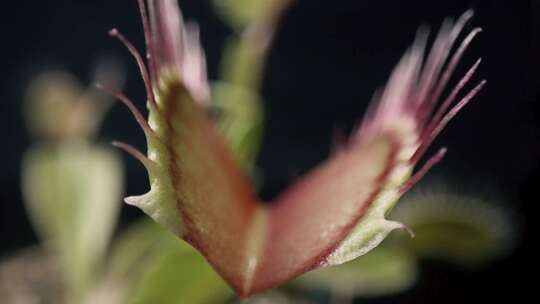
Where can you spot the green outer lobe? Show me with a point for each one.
(160, 202)
(373, 228)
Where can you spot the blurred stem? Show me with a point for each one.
(242, 69)
(243, 61)
(245, 53)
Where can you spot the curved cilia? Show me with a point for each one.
(333, 214)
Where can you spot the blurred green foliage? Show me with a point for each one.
(161, 268)
(385, 270)
(72, 193)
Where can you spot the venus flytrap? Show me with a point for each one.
(332, 215)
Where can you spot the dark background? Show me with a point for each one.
(328, 59)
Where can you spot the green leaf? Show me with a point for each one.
(160, 268)
(72, 193)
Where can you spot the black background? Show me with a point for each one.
(328, 59)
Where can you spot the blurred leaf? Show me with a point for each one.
(139, 243)
(50, 106)
(73, 194)
(57, 107)
(467, 229)
(180, 278)
(385, 270)
(163, 269)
